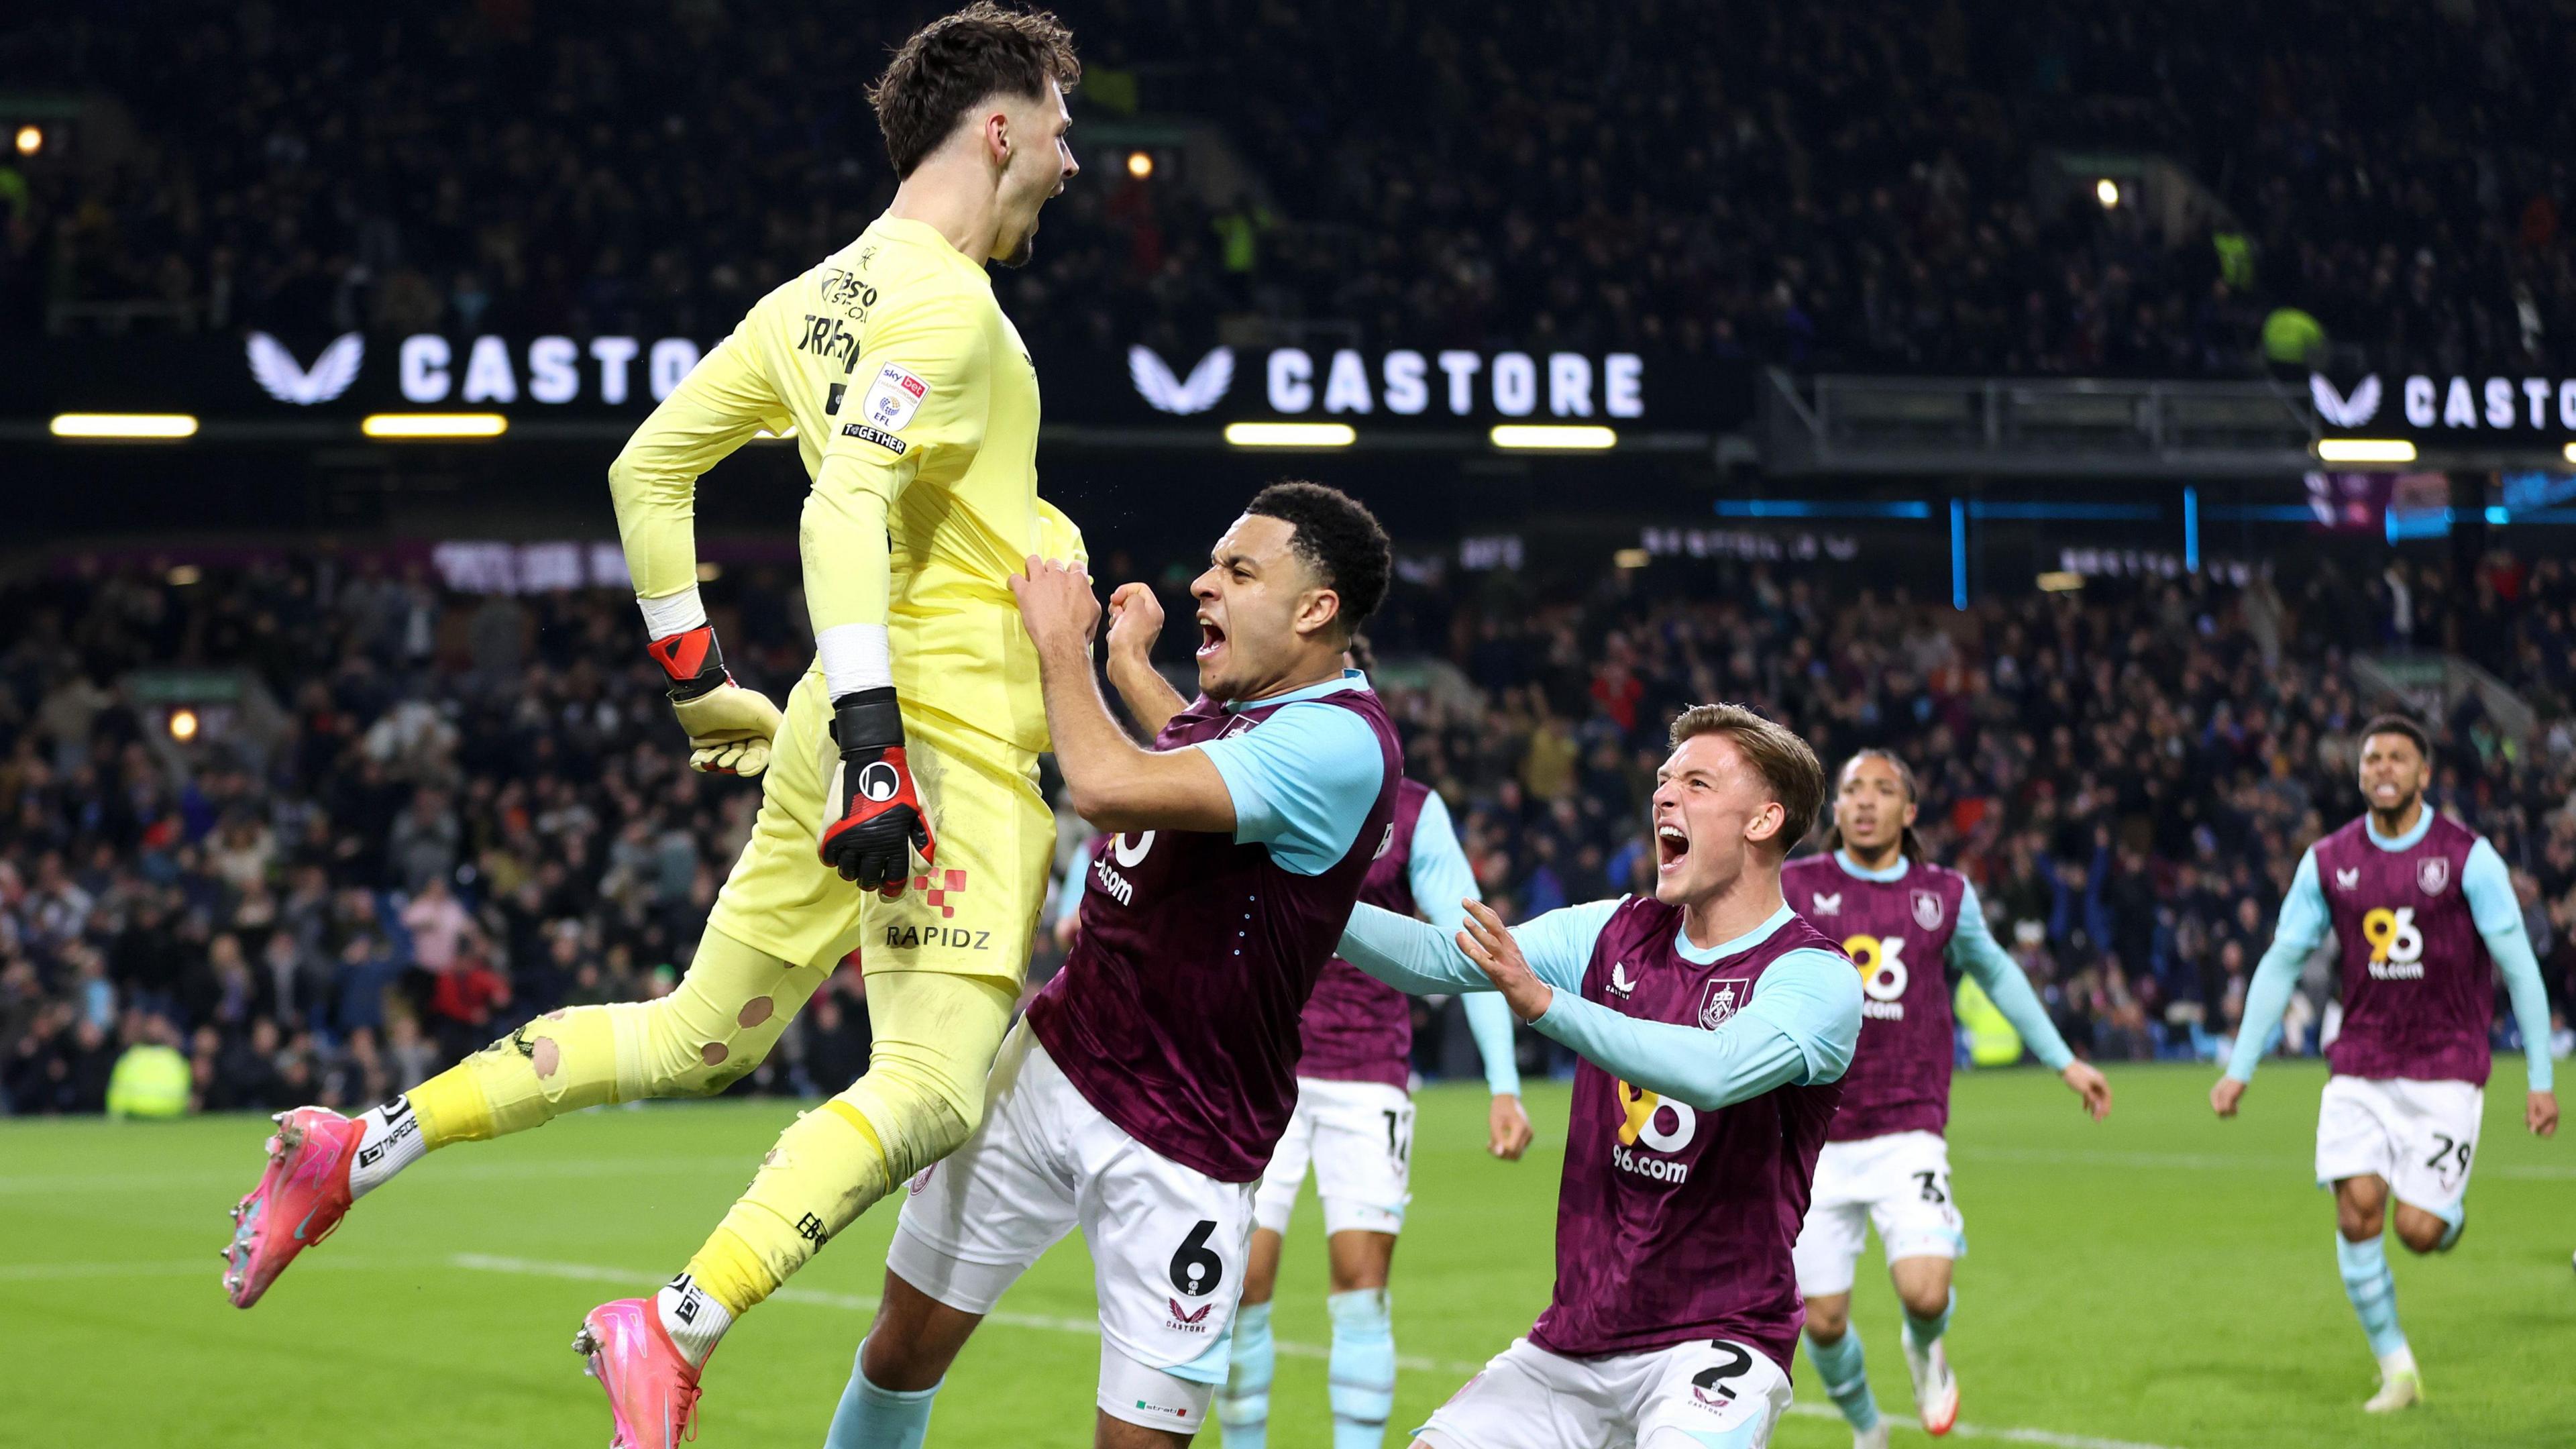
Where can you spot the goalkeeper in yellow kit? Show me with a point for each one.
(900, 811)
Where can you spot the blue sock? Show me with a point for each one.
(2373, 1291)
(2453, 1222)
(1925, 1332)
(1243, 1405)
(1846, 1377)
(1363, 1367)
(873, 1418)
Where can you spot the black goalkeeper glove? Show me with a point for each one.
(880, 820)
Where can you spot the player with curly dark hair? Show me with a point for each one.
(899, 800)
(1142, 1097)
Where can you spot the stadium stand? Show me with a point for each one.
(470, 809)
(1847, 189)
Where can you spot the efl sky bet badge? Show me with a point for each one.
(893, 398)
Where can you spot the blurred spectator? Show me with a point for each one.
(151, 1079)
(438, 924)
(836, 1037)
(2127, 773)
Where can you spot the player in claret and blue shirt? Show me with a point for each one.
(1713, 1025)
(2424, 915)
(1140, 1098)
(1354, 1120)
(1901, 920)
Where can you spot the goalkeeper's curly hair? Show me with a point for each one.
(1339, 539)
(958, 60)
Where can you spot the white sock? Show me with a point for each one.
(392, 1141)
(2399, 1360)
(693, 1318)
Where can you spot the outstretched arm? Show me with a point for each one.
(2489, 887)
(1973, 949)
(1437, 872)
(1800, 1027)
(1418, 958)
(2302, 926)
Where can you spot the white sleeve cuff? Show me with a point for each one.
(673, 613)
(854, 657)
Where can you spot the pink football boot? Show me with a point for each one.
(652, 1390)
(300, 1199)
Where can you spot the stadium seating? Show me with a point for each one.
(472, 809)
(1852, 188)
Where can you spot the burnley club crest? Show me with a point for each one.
(1722, 998)
(2433, 874)
(1927, 910)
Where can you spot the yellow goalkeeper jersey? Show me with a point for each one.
(916, 410)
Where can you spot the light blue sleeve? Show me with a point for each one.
(1302, 782)
(1077, 881)
(1973, 949)
(1799, 1028)
(2301, 929)
(1436, 870)
(1558, 945)
(1489, 1021)
(1421, 959)
(2489, 887)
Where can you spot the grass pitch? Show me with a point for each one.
(2161, 1280)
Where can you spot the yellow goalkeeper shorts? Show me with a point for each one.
(971, 911)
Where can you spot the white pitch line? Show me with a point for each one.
(2017, 1436)
(859, 1303)
(191, 1268)
(1089, 1327)
(2212, 1162)
(248, 1174)
(49, 1272)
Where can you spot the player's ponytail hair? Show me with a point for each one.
(1910, 844)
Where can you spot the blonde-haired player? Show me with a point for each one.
(900, 808)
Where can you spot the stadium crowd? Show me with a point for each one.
(1844, 186)
(397, 820)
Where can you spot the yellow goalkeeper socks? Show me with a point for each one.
(827, 1168)
(725, 1016)
(935, 1035)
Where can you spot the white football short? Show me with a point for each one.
(1167, 1242)
(2418, 1137)
(1359, 1136)
(1696, 1395)
(1899, 1184)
